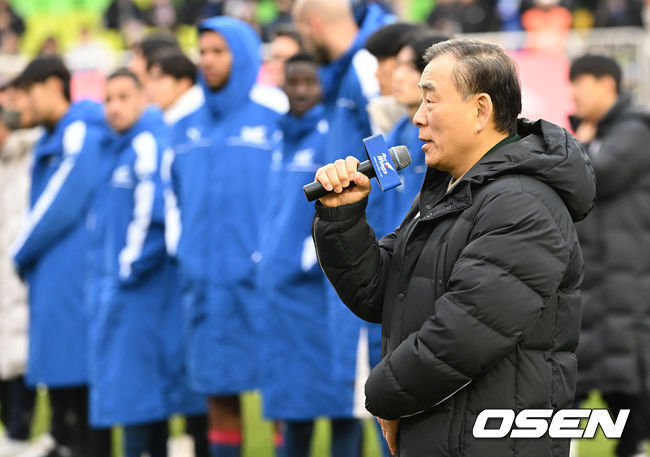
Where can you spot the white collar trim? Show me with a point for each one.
(186, 104)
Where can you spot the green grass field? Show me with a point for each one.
(258, 432)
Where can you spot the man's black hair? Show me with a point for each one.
(484, 67)
(174, 63)
(420, 42)
(386, 41)
(598, 66)
(302, 57)
(42, 68)
(156, 43)
(125, 72)
(288, 31)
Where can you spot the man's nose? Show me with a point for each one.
(420, 119)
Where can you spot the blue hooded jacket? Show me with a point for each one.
(136, 360)
(298, 343)
(219, 181)
(348, 84)
(70, 164)
(401, 198)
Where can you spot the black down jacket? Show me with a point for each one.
(477, 292)
(614, 351)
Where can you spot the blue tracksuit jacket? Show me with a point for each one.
(299, 347)
(219, 179)
(136, 356)
(70, 164)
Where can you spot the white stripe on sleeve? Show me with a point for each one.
(365, 65)
(172, 213)
(145, 166)
(73, 140)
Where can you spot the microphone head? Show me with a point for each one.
(401, 157)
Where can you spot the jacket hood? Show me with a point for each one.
(244, 46)
(549, 154)
(91, 113)
(151, 120)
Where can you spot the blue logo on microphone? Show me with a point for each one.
(382, 162)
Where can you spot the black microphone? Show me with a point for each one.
(399, 154)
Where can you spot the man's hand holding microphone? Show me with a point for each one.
(338, 177)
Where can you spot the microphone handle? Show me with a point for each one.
(315, 190)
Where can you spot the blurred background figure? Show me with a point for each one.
(173, 88)
(50, 255)
(120, 13)
(50, 47)
(17, 138)
(330, 32)
(132, 323)
(162, 14)
(225, 308)
(89, 54)
(618, 13)
(548, 24)
(613, 355)
(282, 20)
(12, 26)
(302, 384)
(285, 43)
(384, 44)
(451, 17)
(145, 50)
(409, 66)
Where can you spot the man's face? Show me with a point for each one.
(447, 122)
(384, 74)
(282, 47)
(309, 28)
(124, 103)
(39, 96)
(302, 87)
(588, 93)
(216, 59)
(163, 90)
(406, 78)
(19, 100)
(138, 65)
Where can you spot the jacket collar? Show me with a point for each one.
(186, 104)
(295, 128)
(546, 152)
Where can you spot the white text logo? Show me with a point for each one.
(535, 423)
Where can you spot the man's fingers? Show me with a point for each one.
(321, 176)
(333, 177)
(361, 180)
(351, 165)
(343, 174)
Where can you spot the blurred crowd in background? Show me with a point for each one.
(167, 246)
(31, 27)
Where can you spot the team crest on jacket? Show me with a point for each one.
(304, 158)
(254, 135)
(122, 177)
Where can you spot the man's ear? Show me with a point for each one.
(484, 111)
(609, 82)
(316, 23)
(54, 83)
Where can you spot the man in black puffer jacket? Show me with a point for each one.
(614, 351)
(478, 289)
